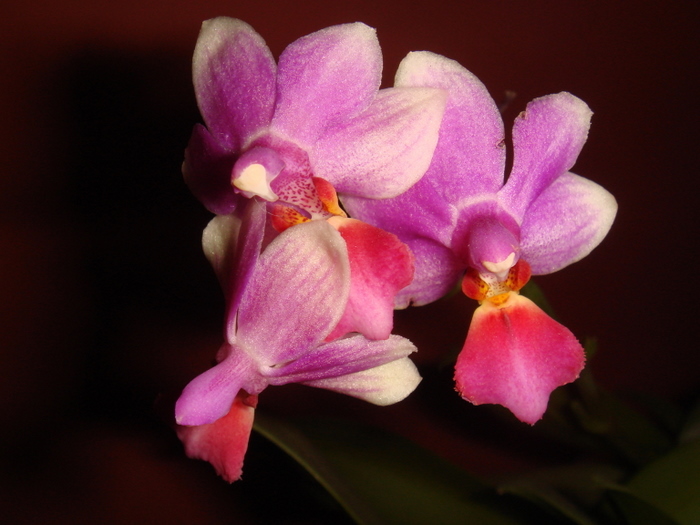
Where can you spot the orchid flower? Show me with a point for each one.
(291, 135)
(461, 216)
(292, 301)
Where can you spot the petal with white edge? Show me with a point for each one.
(234, 77)
(547, 139)
(470, 156)
(565, 223)
(324, 79)
(296, 295)
(386, 149)
(384, 385)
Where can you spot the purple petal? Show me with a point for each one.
(437, 272)
(326, 78)
(547, 139)
(341, 357)
(386, 149)
(234, 80)
(565, 223)
(207, 172)
(470, 157)
(296, 295)
(209, 396)
(232, 245)
(384, 385)
(399, 215)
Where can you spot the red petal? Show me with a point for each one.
(224, 442)
(515, 355)
(380, 266)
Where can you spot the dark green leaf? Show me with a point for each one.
(381, 478)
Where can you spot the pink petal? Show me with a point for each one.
(380, 266)
(234, 80)
(387, 148)
(224, 442)
(340, 358)
(208, 396)
(326, 78)
(297, 294)
(547, 139)
(516, 356)
(470, 157)
(565, 223)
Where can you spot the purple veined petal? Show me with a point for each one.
(207, 172)
(297, 293)
(209, 396)
(384, 385)
(341, 357)
(470, 156)
(565, 223)
(326, 78)
(547, 139)
(387, 148)
(232, 244)
(234, 77)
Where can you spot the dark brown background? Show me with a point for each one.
(107, 301)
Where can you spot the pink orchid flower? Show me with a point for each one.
(291, 135)
(462, 216)
(282, 332)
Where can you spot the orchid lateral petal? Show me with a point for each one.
(384, 385)
(341, 357)
(224, 442)
(386, 149)
(207, 172)
(515, 356)
(234, 80)
(380, 266)
(565, 223)
(547, 139)
(209, 395)
(470, 156)
(297, 293)
(325, 78)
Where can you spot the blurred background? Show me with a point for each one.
(108, 306)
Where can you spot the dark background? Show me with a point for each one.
(108, 304)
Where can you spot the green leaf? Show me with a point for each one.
(381, 478)
(635, 511)
(672, 483)
(570, 491)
